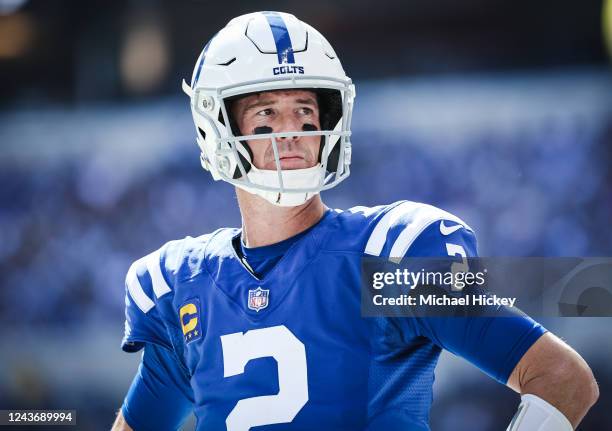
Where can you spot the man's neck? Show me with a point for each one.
(265, 224)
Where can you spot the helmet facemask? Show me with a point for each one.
(232, 159)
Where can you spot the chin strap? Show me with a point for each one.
(536, 414)
(292, 179)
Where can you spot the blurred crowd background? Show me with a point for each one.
(498, 111)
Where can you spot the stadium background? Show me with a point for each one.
(498, 111)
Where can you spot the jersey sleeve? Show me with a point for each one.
(160, 397)
(144, 284)
(495, 343)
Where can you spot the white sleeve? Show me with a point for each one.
(536, 414)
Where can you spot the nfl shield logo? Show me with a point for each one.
(258, 298)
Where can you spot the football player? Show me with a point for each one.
(259, 327)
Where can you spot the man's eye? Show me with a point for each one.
(265, 112)
(305, 111)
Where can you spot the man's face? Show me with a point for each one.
(281, 111)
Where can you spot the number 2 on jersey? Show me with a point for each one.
(277, 342)
(457, 250)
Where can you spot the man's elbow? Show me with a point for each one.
(577, 378)
(120, 423)
(592, 388)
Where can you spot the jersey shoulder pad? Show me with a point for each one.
(153, 276)
(347, 230)
(398, 228)
(185, 259)
(150, 284)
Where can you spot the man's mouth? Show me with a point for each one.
(291, 157)
(292, 161)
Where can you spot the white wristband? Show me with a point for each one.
(535, 414)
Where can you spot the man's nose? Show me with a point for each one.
(289, 123)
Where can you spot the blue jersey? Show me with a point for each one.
(290, 350)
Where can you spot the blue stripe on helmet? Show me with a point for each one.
(201, 63)
(284, 49)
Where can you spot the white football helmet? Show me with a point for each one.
(266, 51)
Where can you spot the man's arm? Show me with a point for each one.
(120, 423)
(553, 371)
(160, 397)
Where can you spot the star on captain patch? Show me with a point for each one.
(258, 299)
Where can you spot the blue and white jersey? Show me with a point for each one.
(290, 350)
